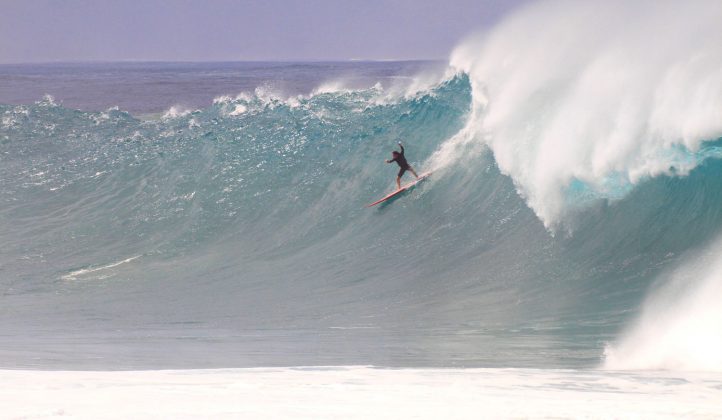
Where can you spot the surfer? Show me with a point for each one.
(400, 159)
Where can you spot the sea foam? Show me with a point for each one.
(593, 96)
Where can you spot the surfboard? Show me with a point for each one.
(403, 189)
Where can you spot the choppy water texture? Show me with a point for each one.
(193, 226)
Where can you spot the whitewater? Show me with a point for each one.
(193, 237)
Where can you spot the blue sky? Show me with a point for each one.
(209, 30)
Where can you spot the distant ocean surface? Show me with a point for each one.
(142, 88)
(211, 215)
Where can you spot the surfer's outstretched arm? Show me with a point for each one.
(402, 148)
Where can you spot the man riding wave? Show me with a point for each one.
(400, 159)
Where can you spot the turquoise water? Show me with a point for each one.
(232, 232)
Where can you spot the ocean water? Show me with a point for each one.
(211, 215)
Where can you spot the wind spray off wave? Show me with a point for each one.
(680, 326)
(584, 100)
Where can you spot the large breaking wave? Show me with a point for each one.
(601, 123)
(582, 101)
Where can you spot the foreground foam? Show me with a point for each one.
(358, 392)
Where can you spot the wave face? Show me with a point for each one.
(569, 176)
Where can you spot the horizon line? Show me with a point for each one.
(140, 61)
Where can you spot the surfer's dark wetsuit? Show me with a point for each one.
(404, 166)
(400, 159)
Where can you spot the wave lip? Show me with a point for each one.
(607, 95)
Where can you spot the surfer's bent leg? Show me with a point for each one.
(413, 172)
(398, 177)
